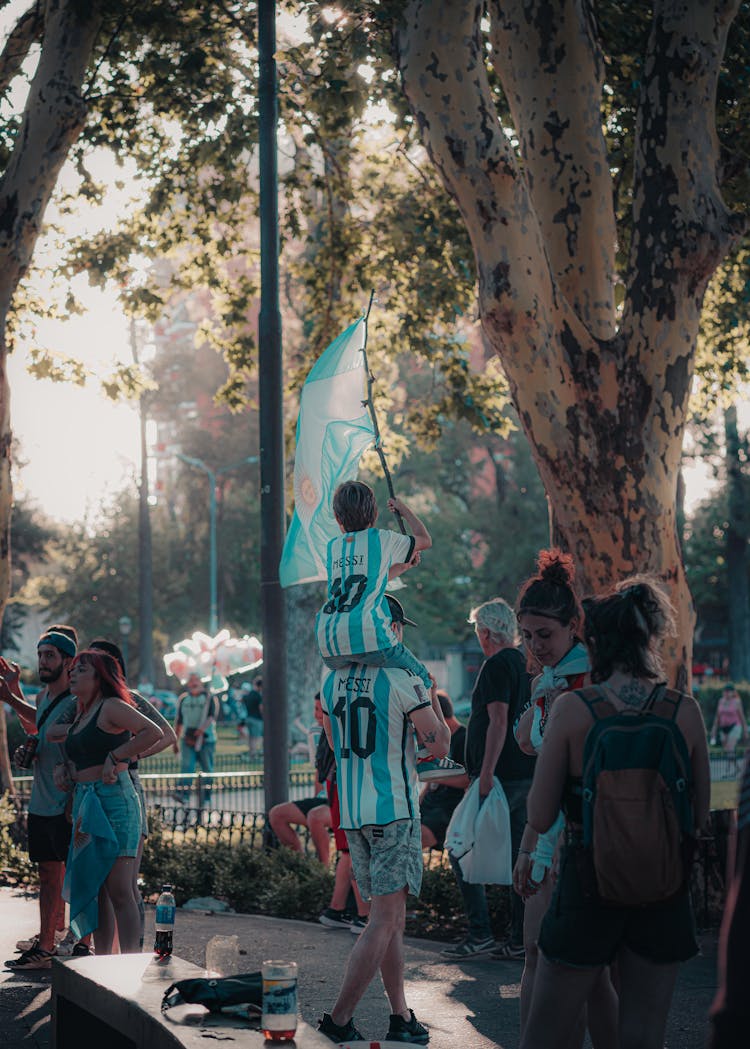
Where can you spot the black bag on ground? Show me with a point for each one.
(216, 994)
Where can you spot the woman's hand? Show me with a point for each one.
(109, 770)
(522, 880)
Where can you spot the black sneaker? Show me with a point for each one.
(345, 1033)
(335, 919)
(411, 1030)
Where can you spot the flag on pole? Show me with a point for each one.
(333, 430)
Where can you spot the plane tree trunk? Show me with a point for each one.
(53, 119)
(601, 395)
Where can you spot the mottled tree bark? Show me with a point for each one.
(53, 119)
(603, 402)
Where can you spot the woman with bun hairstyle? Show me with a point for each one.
(581, 935)
(550, 619)
(106, 736)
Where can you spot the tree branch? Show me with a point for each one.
(544, 346)
(547, 57)
(53, 118)
(681, 227)
(26, 31)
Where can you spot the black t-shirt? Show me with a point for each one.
(502, 678)
(444, 797)
(325, 760)
(253, 701)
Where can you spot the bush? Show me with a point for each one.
(438, 912)
(281, 883)
(15, 866)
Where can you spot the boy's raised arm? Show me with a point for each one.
(422, 538)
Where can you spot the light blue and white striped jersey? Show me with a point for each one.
(373, 742)
(355, 619)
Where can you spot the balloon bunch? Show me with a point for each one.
(213, 659)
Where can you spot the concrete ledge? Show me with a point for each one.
(115, 1003)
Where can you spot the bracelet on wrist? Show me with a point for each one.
(524, 852)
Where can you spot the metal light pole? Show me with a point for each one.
(126, 625)
(275, 717)
(145, 558)
(213, 611)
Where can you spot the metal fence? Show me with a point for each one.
(229, 806)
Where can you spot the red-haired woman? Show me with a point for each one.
(107, 734)
(550, 618)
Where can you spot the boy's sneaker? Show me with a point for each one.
(438, 768)
(333, 919)
(508, 951)
(339, 1033)
(357, 925)
(411, 1030)
(34, 958)
(468, 949)
(82, 950)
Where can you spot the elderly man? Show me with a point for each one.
(501, 691)
(49, 828)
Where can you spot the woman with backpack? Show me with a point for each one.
(627, 761)
(550, 619)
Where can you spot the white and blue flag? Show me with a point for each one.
(333, 430)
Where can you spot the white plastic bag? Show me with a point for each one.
(478, 836)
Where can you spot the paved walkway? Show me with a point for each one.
(473, 1005)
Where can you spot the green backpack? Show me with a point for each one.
(637, 790)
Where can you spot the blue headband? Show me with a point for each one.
(60, 641)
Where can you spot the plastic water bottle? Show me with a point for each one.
(165, 914)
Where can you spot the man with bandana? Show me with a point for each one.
(49, 828)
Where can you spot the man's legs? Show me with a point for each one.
(205, 758)
(51, 876)
(187, 765)
(375, 950)
(318, 823)
(475, 906)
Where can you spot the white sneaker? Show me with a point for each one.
(66, 944)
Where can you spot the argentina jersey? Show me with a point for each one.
(353, 620)
(373, 741)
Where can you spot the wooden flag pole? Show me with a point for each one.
(371, 408)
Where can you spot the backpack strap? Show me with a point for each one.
(663, 702)
(595, 700)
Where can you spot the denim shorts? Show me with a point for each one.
(120, 803)
(580, 931)
(136, 781)
(385, 859)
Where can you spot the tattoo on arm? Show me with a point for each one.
(428, 737)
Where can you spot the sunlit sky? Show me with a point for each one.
(76, 448)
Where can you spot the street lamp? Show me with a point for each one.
(213, 614)
(126, 625)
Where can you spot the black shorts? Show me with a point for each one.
(49, 838)
(306, 805)
(582, 932)
(436, 815)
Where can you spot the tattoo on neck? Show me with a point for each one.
(633, 694)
